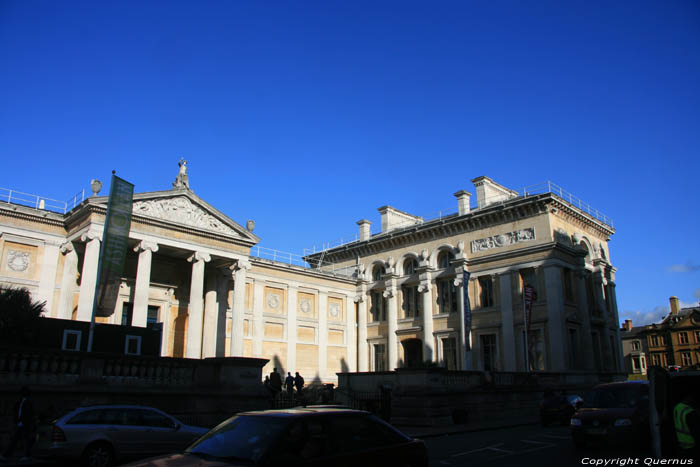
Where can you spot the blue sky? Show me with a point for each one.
(308, 116)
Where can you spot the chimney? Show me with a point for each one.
(463, 198)
(628, 325)
(489, 192)
(364, 229)
(392, 219)
(674, 305)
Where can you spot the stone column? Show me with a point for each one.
(70, 270)
(223, 287)
(258, 322)
(392, 312)
(464, 336)
(585, 313)
(88, 277)
(47, 279)
(292, 328)
(599, 283)
(426, 290)
(211, 315)
(507, 322)
(616, 317)
(555, 318)
(362, 349)
(350, 340)
(194, 321)
(145, 250)
(240, 270)
(322, 334)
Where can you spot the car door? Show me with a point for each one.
(163, 432)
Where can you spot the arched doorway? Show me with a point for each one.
(412, 352)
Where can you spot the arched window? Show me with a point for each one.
(409, 266)
(444, 259)
(378, 272)
(588, 251)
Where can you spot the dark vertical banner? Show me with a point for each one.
(467, 310)
(114, 243)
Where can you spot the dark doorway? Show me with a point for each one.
(412, 352)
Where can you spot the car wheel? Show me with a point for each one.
(99, 454)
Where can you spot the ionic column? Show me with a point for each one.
(211, 316)
(362, 349)
(223, 288)
(392, 322)
(426, 290)
(465, 337)
(70, 270)
(47, 279)
(322, 334)
(555, 318)
(145, 250)
(350, 340)
(240, 270)
(88, 277)
(258, 324)
(599, 283)
(584, 311)
(194, 322)
(507, 322)
(292, 328)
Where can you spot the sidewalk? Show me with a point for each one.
(476, 425)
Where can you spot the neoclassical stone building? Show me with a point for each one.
(386, 300)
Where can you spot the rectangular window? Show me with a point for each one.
(71, 340)
(686, 359)
(488, 351)
(528, 277)
(379, 357)
(132, 345)
(635, 345)
(410, 301)
(378, 308)
(127, 313)
(486, 291)
(683, 337)
(635, 364)
(447, 296)
(655, 341)
(655, 359)
(644, 363)
(449, 353)
(152, 317)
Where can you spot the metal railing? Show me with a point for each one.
(41, 202)
(298, 260)
(575, 201)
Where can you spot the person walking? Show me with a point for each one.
(24, 426)
(299, 384)
(289, 384)
(686, 421)
(276, 381)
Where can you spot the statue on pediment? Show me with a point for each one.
(181, 181)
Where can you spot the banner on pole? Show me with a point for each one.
(467, 310)
(115, 241)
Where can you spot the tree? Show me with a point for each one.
(19, 315)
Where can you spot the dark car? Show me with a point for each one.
(98, 435)
(301, 437)
(615, 413)
(557, 407)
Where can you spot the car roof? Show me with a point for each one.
(619, 384)
(114, 406)
(304, 411)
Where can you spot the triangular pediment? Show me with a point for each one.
(184, 208)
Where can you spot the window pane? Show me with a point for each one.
(152, 418)
(89, 417)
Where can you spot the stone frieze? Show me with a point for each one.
(501, 240)
(182, 211)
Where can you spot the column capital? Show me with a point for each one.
(424, 287)
(358, 298)
(67, 247)
(239, 265)
(90, 235)
(146, 245)
(199, 256)
(388, 293)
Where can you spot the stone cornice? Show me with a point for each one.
(34, 215)
(263, 263)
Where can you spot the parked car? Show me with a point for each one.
(320, 436)
(99, 435)
(615, 413)
(559, 407)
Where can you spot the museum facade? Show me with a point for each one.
(396, 298)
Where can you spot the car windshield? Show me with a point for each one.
(240, 438)
(620, 397)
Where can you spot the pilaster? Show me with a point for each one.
(239, 280)
(507, 326)
(196, 305)
(322, 334)
(392, 324)
(555, 318)
(585, 313)
(425, 288)
(47, 279)
(145, 250)
(88, 277)
(70, 270)
(362, 345)
(259, 327)
(292, 300)
(350, 339)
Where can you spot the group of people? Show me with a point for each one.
(273, 383)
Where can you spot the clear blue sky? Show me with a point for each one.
(308, 116)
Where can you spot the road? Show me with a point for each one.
(530, 445)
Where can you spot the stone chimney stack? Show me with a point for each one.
(674, 305)
(489, 192)
(628, 325)
(364, 229)
(463, 198)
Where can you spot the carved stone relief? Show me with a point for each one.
(334, 310)
(305, 305)
(18, 260)
(501, 240)
(181, 210)
(273, 300)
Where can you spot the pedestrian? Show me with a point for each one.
(298, 382)
(289, 384)
(686, 421)
(275, 381)
(23, 413)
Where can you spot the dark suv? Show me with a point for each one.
(613, 412)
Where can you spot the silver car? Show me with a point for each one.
(100, 434)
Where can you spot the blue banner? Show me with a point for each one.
(467, 310)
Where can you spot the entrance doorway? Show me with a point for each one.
(412, 352)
